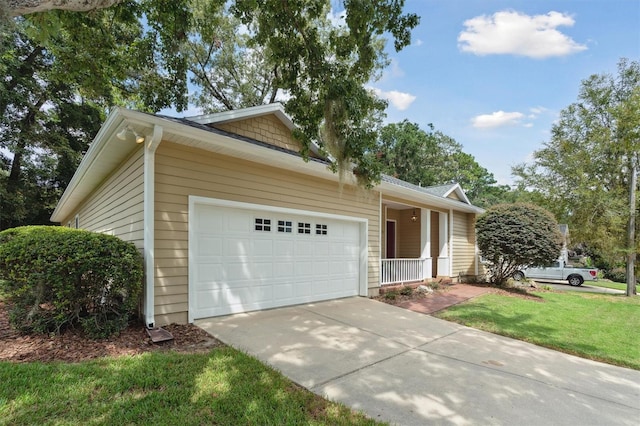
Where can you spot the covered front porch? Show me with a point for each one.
(416, 243)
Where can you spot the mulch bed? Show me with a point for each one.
(73, 346)
(441, 290)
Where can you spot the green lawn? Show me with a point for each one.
(611, 284)
(223, 387)
(600, 327)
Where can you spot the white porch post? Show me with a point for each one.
(444, 235)
(425, 242)
(444, 268)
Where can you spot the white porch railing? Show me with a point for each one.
(395, 271)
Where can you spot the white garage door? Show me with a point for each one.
(249, 258)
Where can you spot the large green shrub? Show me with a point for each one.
(514, 236)
(56, 277)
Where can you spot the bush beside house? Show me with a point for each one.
(514, 236)
(56, 277)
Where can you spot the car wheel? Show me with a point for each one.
(576, 280)
(518, 276)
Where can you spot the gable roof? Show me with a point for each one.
(438, 195)
(439, 190)
(107, 152)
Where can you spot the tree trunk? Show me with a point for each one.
(25, 7)
(631, 230)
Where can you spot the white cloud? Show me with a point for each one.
(496, 119)
(417, 43)
(514, 33)
(399, 100)
(535, 112)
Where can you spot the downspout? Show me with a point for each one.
(151, 144)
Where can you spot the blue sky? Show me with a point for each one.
(494, 75)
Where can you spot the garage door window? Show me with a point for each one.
(285, 226)
(321, 229)
(263, 225)
(304, 228)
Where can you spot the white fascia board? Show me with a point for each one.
(184, 134)
(409, 194)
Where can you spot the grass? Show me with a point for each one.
(224, 387)
(595, 326)
(612, 284)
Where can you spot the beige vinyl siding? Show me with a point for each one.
(454, 196)
(464, 257)
(183, 171)
(116, 207)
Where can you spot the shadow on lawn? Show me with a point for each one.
(222, 387)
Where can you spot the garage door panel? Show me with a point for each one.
(321, 249)
(246, 259)
(238, 246)
(283, 270)
(283, 248)
(209, 245)
(304, 248)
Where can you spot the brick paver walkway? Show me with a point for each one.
(452, 295)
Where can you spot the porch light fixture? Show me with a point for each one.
(414, 218)
(128, 134)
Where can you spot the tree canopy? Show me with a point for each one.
(586, 173)
(65, 70)
(430, 157)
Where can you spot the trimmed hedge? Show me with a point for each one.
(55, 277)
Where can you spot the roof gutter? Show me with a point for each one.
(150, 146)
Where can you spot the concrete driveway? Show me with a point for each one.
(412, 369)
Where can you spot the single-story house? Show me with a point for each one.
(231, 219)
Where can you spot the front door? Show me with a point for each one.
(391, 239)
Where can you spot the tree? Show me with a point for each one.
(227, 71)
(587, 172)
(24, 7)
(43, 126)
(324, 68)
(515, 236)
(62, 72)
(430, 157)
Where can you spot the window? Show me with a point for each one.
(285, 226)
(77, 223)
(304, 228)
(263, 224)
(321, 229)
